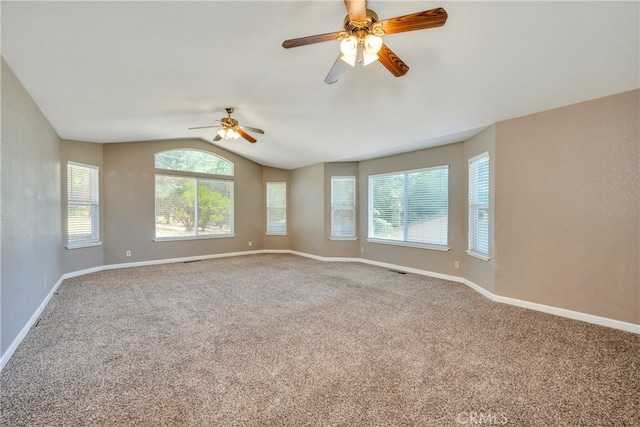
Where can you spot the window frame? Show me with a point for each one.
(475, 206)
(269, 209)
(405, 241)
(334, 208)
(93, 203)
(197, 177)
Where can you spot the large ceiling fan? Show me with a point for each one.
(230, 129)
(361, 42)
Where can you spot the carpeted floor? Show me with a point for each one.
(284, 340)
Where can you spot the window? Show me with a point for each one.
(276, 208)
(194, 195)
(343, 207)
(410, 208)
(479, 206)
(83, 206)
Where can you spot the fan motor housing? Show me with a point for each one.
(228, 121)
(354, 26)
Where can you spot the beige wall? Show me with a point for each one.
(90, 154)
(30, 224)
(130, 205)
(567, 208)
(307, 209)
(476, 270)
(424, 259)
(276, 175)
(565, 184)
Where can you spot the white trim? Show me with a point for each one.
(479, 289)
(404, 172)
(344, 239)
(198, 237)
(413, 270)
(25, 329)
(562, 312)
(576, 315)
(322, 258)
(478, 255)
(83, 245)
(176, 260)
(432, 247)
(478, 157)
(589, 318)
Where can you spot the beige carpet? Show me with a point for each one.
(284, 340)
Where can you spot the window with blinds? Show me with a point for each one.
(410, 207)
(276, 208)
(343, 207)
(193, 195)
(479, 206)
(83, 205)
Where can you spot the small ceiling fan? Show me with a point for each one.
(361, 42)
(230, 129)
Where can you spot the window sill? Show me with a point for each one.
(348, 239)
(410, 244)
(276, 234)
(83, 245)
(182, 238)
(483, 257)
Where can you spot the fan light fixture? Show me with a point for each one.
(360, 49)
(228, 134)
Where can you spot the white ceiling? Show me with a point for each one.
(138, 71)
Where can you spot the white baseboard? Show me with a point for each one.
(589, 318)
(576, 315)
(25, 330)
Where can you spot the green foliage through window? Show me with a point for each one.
(192, 206)
(193, 161)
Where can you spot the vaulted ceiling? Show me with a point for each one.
(107, 72)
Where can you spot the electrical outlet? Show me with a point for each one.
(45, 281)
(128, 253)
(361, 250)
(456, 264)
(250, 243)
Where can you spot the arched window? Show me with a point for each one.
(194, 195)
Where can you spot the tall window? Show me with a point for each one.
(194, 195)
(276, 208)
(410, 207)
(343, 207)
(83, 206)
(479, 206)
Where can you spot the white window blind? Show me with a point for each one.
(479, 205)
(343, 207)
(276, 208)
(410, 207)
(83, 205)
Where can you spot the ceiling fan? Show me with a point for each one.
(361, 42)
(230, 129)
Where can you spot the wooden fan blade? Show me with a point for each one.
(217, 137)
(391, 61)
(205, 127)
(302, 41)
(336, 71)
(251, 129)
(415, 21)
(245, 135)
(356, 9)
